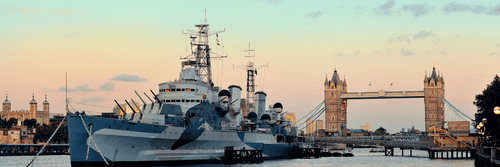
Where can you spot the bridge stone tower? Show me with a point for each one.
(335, 114)
(434, 106)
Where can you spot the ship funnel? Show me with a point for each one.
(278, 108)
(235, 97)
(224, 96)
(261, 103)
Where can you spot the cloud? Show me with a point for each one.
(494, 10)
(401, 38)
(80, 88)
(47, 90)
(93, 100)
(128, 78)
(108, 86)
(406, 52)
(417, 9)
(421, 35)
(347, 55)
(385, 9)
(453, 7)
(315, 14)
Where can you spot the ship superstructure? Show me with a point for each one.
(189, 120)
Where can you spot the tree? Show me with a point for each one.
(11, 122)
(485, 103)
(45, 131)
(30, 122)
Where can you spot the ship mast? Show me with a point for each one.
(200, 51)
(251, 72)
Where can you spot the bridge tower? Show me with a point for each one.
(434, 106)
(336, 108)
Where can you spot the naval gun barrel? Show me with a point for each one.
(124, 113)
(130, 107)
(140, 97)
(158, 100)
(148, 97)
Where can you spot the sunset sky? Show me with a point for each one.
(111, 48)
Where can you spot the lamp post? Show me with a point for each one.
(496, 110)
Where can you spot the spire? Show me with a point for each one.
(335, 77)
(45, 102)
(6, 99)
(425, 75)
(434, 75)
(33, 101)
(335, 69)
(326, 79)
(433, 65)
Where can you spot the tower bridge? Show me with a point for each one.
(336, 97)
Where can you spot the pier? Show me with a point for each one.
(32, 149)
(232, 156)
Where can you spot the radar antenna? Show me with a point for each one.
(200, 51)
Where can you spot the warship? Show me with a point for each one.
(188, 121)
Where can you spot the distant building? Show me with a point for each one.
(381, 131)
(459, 128)
(42, 117)
(291, 117)
(126, 108)
(366, 127)
(311, 128)
(17, 135)
(358, 132)
(321, 124)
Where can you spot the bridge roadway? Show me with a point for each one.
(381, 94)
(387, 143)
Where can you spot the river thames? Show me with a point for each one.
(362, 158)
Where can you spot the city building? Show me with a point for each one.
(17, 135)
(311, 128)
(320, 124)
(42, 117)
(291, 117)
(459, 128)
(125, 107)
(366, 127)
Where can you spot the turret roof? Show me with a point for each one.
(6, 99)
(33, 101)
(45, 102)
(335, 77)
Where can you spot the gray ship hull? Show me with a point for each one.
(131, 144)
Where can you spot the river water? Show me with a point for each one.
(362, 158)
